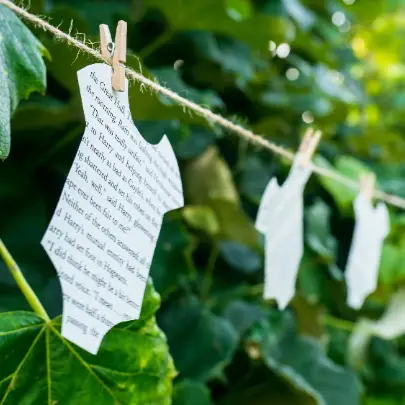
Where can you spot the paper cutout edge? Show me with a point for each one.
(163, 143)
(356, 300)
(271, 292)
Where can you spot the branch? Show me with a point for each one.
(22, 283)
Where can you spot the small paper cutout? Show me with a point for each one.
(372, 227)
(103, 234)
(392, 324)
(280, 219)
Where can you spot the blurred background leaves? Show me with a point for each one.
(276, 66)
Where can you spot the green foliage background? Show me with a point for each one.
(228, 346)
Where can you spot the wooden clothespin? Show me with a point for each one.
(367, 185)
(116, 53)
(106, 43)
(308, 145)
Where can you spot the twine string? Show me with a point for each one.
(198, 109)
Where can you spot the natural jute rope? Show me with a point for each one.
(201, 111)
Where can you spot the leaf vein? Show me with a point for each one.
(7, 378)
(134, 373)
(19, 330)
(85, 365)
(15, 374)
(48, 365)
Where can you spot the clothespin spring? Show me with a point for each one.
(110, 48)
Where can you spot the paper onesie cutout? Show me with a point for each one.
(103, 233)
(280, 219)
(372, 227)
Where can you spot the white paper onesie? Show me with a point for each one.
(103, 233)
(280, 219)
(372, 226)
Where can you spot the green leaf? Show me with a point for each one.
(38, 366)
(253, 182)
(171, 78)
(208, 181)
(172, 264)
(392, 265)
(388, 367)
(195, 143)
(242, 315)
(311, 279)
(302, 362)
(349, 167)
(107, 12)
(22, 71)
(232, 65)
(240, 257)
(209, 177)
(214, 339)
(305, 364)
(46, 113)
(235, 224)
(191, 393)
(148, 105)
(318, 234)
(210, 15)
(236, 59)
(202, 218)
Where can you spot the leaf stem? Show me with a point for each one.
(337, 323)
(22, 283)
